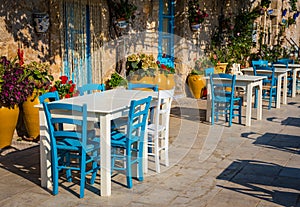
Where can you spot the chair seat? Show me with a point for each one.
(75, 145)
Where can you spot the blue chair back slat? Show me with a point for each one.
(132, 86)
(51, 96)
(89, 88)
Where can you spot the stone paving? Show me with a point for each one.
(209, 166)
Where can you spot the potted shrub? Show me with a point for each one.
(196, 82)
(116, 80)
(196, 15)
(40, 78)
(15, 88)
(141, 68)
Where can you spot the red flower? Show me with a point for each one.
(163, 67)
(63, 79)
(67, 96)
(52, 89)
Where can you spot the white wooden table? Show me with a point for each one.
(104, 107)
(295, 69)
(248, 82)
(280, 73)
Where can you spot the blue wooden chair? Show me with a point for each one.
(286, 62)
(269, 84)
(141, 86)
(90, 87)
(69, 144)
(224, 100)
(49, 96)
(131, 142)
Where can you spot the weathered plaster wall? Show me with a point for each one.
(16, 28)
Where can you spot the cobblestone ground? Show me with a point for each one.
(209, 166)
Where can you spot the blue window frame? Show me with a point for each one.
(166, 32)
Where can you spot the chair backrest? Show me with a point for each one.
(268, 71)
(284, 61)
(49, 96)
(259, 62)
(163, 108)
(76, 116)
(208, 71)
(90, 88)
(141, 86)
(221, 88)
(137, 120)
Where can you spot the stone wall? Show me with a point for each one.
(16, 27)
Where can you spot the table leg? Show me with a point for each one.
(249, 104)
(105, 152)
(284, 98)
(294, 89)
(208, 102)
(45, 153)
(259, 101)
(279, 80)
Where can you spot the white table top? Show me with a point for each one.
(277, 70)
(289, 65)
(246, 78)
(108, 101)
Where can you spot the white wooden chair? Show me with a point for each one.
(158, 131)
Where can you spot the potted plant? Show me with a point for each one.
(15, 88)
(40, 78)
(116, 80)
(65, 87)
(165, 76)
(196, 15)
(196, 82)
(141, 68)
(124, 11)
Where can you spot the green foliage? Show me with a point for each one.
(200, 65)
(124, 10)
(293, 4)
(195, 13)
(232, 41)
(39, 75)
(265, 3)
(116, 80)
(141, 64)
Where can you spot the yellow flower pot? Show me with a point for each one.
(196, 84)
(221, 67)
(31, 117)
(8, 119)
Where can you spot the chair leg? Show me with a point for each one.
(128, 170)
(156, 153)
(140, 161)
(240, 111)
(166, 148)
(68, 171)
(54, 177)
(82, 174)
(230, 114)
(255, 97)
(270, 98)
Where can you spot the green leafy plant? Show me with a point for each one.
(233, 43)
(141, 64)
(116, 80)
(38, 74)
(201, 64)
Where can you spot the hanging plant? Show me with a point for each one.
(293, 4)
